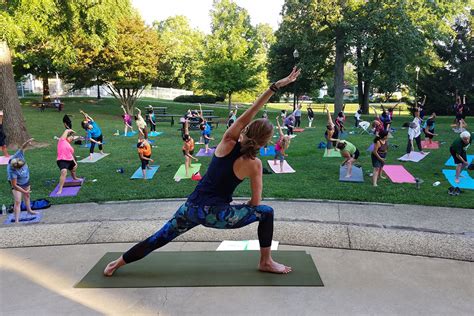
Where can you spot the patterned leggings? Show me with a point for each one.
(189, 216)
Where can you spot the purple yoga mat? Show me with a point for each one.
(202, 152)
(67, 191)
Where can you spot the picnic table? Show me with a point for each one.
(55, 105)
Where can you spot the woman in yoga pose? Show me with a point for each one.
(350, 154)
(188, 148)
(65, 158)
(281, 146)
(378, 155)
(18, 175)
(94, 133)
(209, 205)
(127, 121)
(331, 134)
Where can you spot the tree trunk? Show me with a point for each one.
(230, 101)
(13, 122)
(360, 85)
(365, 104)
(98, 92)
(46, 96)
(339, 72)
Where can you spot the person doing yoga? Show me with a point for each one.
(310, 115)
(350, 154)
(378, 155)
(188, 148)
(65, 158)
(144, 153)
(141, 124)
(94, 133)
(209, 204)
(127, 121)
(429, 128)
(331, 134)
(18, 175)
(458, 151)
(281, 146)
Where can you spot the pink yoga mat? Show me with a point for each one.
(398, 174)
(298, 130)
(276, 168)
(426, 145)
(67, 191)
(4, 160)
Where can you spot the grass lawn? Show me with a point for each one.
(315, 177)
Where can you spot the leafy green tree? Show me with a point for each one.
(455, 75)
(132, 63)
(230, 55)
(181, 58)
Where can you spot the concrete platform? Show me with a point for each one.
(408, 229)
(40, 280)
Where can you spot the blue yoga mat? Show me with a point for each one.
(450, 162)
(153, 134)
(149, 173)
(466, 182)
(25, 218)
(130, 134)
(270, 151)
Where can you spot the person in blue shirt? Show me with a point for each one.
(151, 118)
(235, 160)
(18, 174)
(94, 133)
(206, 134)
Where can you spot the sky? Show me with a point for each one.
(197, 11)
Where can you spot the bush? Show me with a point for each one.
(206, 98)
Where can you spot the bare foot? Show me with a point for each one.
(383, 177)
(59, 192)
(456, 180)
(348, 175)
(274, 267)
(32, 212)
(112, 266)
(375, 185)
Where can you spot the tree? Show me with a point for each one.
(132, 63)
(230, 54)
(313, 28)
(181, 58)
(454, 76)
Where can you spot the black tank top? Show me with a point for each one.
(219, 182)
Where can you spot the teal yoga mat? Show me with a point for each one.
(149, 173)
(450, 162)
(465, 181)
(203, 269)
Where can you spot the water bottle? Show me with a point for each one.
(4, 209)
(417, 182)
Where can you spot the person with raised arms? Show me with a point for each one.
(188, 148)
(65, 158)
(281, 146)
(94, 133)
(209, 205)
(18, 175)
(331, 134)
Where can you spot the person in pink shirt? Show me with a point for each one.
(127, 121)
(281, 146)
(66, 160)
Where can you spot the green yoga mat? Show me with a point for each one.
(333, 153)
(202, 269)
(181, 173)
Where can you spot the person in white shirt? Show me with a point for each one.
(414, 134)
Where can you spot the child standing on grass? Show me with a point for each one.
(281, 146)
(378, 155)
(188, 148)
(144, 153)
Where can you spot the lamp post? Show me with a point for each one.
(296, 54)
(417, 69)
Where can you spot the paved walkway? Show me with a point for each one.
(40, 280)
(418, 230)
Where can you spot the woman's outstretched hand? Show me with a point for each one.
(291, 78)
